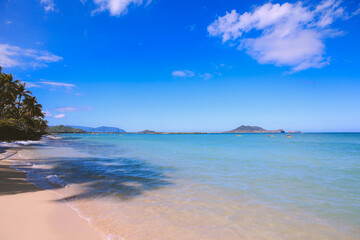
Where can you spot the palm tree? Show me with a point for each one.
(21, 116)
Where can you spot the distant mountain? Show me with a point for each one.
(147, 132)
(64, 129)
(253, 129)
(100, 129)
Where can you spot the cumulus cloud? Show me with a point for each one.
(59, 116)
(116, 7)
(49, 5)
(289, 34)
(13, 56)
(184, 73)
(74, 109)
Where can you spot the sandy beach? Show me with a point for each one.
(28, 212)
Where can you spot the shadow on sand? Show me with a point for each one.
(13, 181)
(123, 178)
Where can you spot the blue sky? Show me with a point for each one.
(188, 65)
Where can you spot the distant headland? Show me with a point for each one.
(82, 129)
(102, 129)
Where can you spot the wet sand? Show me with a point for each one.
(28, 212)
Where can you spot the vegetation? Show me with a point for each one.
(21, 116)
(64, 129)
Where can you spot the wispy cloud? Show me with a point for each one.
(53, 85)
(206, 76)
(290, 34)
(356, 12)
(116, 7)
(74, 109)
(190, 74)
(58, 84)
(59, 116)
(61, 111)
(191, 27)
(47, 113)
(183, 73)
(13, 56)
(49, 5)
(32, 85)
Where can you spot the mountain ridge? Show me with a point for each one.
(64, 129)
(99, 129)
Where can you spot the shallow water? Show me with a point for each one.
(215, 186)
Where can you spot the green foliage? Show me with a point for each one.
(21, 116)
(64, 129)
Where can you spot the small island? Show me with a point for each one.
(253, 129)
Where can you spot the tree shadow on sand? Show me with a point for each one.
(13, 181)
(124, 178)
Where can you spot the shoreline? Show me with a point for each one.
(29, 212)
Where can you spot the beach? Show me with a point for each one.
(28, 212)
(182, 187)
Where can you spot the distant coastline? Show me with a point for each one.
(114, 130)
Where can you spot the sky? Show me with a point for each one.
(206, 65)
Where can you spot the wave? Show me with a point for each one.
(52, 137)
(55, 180)
(41, 166)
(19, 143)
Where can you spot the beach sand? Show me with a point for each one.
(28, 212)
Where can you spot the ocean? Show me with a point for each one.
(205, 186)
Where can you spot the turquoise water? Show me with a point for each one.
(249, 187)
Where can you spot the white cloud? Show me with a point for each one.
(74, 109)
(48, 83)
(47, 113)
(58, 84)
(13, 56)
(31, 85)
(49, 5)
(116, 7)
(184, 73)
(187, 73)
(191, 27)
(290, 34)
(206, 76)
(356, 12)
(59, 116)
